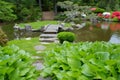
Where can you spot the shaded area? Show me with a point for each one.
(12, 34)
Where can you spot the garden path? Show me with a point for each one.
(39, 64)
(49, 34)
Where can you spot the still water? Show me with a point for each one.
(13, 34)
(105, 31)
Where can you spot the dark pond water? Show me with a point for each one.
(105, 31)
(13, 34)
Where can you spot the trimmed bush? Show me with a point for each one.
(3, 38)
(99, 10)
(66, 36)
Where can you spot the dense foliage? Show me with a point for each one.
(19, 9)
(16, 64)
(83, 61)
(6, 11)
(66, 36)
(25, 10)
(3, 38)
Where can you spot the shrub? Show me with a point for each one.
(115, 19)
(66, 36)
(99, 10)
(60, 16)
(16, 64)
(3, 38)
(6, 12)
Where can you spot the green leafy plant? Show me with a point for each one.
(115, 19)
(3, 38)
(99, 10)
(6, 12)
(16, 64)
(83, 61)
(66, 36)
(60, 16)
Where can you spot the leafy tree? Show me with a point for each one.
(6, 12)
(26, 9)
(73, 10)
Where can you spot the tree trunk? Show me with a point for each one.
(55, 6)
(40, 5)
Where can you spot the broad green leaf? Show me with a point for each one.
(82, 78)
(102, 55)
(86, 70)
(1, 77)
(75, 64)
(24, 71)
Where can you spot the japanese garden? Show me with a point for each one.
(59, 39)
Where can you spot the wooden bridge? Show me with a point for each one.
(49, 34)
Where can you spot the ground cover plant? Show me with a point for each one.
(83, 61)
(16, 64)
(39, 24)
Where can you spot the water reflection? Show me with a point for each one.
(115, 38)
(105, 31)
(17, 33)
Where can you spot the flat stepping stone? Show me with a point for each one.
(38, 65)
(39, 47)
(48, 39)
(48, 35)
(51, 31)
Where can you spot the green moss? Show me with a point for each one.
(39, 24)
(27, 45)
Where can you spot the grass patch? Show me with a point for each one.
(39, 24)
(27, 45)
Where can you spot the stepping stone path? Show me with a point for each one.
(49, 34)
(39, 64)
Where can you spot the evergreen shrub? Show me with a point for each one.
(3, 38)
(99, 10)
(66, 36)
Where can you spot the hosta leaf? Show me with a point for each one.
(73, 74)
(14, 48)
(82, 78)
(3, 69)
(110, 78)
(1, 77)
(102, 55)
(24, 71)
(14, 75)
(75, 64)
(86, 70)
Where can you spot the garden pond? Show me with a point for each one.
(104, 31)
